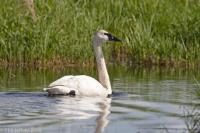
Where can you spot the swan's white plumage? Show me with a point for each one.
(85, 85)
(81, 84)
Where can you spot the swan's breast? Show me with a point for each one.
(90, 86)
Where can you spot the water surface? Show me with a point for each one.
(158, 101)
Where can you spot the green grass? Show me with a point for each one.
(155, 31)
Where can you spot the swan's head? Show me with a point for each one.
(103, 36)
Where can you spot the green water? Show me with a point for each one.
(158, 100)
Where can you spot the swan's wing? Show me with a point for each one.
(82, 85)
(61, 86)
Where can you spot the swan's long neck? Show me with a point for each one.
(101, 66)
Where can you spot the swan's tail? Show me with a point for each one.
(45, 89)
(58, 90)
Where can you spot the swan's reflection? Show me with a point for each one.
(102, 120)
(76, 108)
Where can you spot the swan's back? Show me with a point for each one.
(81, 85)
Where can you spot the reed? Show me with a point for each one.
(30, 6)
(192, 120)
(154, 31)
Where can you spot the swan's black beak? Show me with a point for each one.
(112, 38)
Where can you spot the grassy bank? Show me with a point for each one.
(155, 31)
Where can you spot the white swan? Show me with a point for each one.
(84, 85)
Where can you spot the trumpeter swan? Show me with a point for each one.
(84, 85)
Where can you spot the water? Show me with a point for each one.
(157, 102)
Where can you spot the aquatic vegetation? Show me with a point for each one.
(154, 31)
(192, 120)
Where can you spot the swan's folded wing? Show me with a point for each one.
(81, 85)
